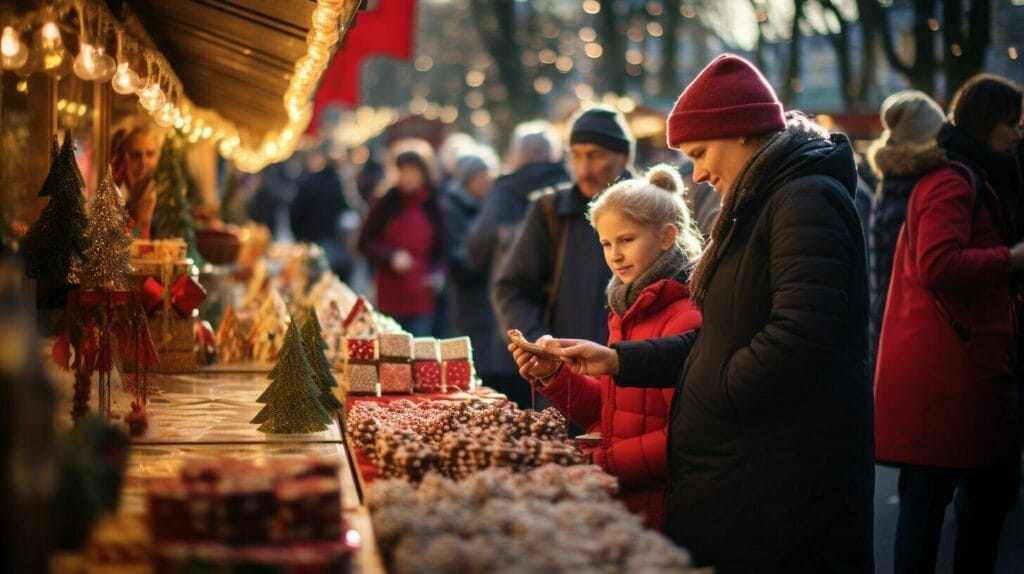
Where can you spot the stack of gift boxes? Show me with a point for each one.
(227, 508)
(396, 363)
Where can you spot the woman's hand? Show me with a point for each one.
(401, 261)
(587, 357)
(531, 366)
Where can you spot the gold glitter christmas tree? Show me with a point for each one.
(314, 344)
(292, 398)
(107, 260)
(231, 342)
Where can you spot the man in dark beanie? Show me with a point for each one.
(553, 279)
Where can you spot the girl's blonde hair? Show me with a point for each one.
(654, 200)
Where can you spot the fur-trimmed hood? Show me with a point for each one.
(904, 160)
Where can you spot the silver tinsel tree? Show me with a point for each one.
(107, 259)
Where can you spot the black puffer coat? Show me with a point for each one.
(770, 444)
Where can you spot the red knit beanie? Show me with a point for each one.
(728, 98)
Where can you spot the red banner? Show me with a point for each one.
(385, 29)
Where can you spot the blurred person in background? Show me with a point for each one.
(136, 151)
(945, 387)
(535, 162)
(469, 304)
(319, 204)
(403, 237)
(904, 152)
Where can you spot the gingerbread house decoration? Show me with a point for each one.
(359, 321)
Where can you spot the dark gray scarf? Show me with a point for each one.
(752, 180)
(621, 296)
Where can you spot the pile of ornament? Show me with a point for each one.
(551, 519)
(407, 440)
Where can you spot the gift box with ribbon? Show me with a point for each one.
(458, 374)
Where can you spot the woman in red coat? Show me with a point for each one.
(945, 405)
(649, 241)
(403, 237)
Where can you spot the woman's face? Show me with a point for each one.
(718, 161)
(629, 247)
(410, 178)
(1005, 137)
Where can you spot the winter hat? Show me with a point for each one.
(467, 166)
(910, 117)
(604, 127)
(728, 98)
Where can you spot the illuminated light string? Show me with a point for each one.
(160, 91)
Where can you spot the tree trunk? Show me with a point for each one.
(972, 42)
(868, 34)
(504, 48)
(793, 73)
(669, 47)
(614, 55)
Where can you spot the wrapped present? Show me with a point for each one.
(362, 379)
(395, 345)
(395, 377)
(426, 376)
(425, 349)
(360, 349)
(458, 374)
(456, 348)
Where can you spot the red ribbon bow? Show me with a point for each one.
(186, 295)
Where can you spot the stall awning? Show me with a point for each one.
(233, 56)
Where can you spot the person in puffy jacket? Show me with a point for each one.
(769, 442)
(904, 152)
(649, 241)
(945, 393)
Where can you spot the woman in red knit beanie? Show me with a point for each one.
(770, 446)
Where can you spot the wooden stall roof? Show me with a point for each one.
(233, 56)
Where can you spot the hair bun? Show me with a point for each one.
(666, 177)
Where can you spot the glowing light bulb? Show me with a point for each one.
(125, 80)
(52, 45)
(86, 62)
(152, 97)
(167, 115)
(13, 53)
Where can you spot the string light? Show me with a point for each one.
(160, 90)
(13, 53)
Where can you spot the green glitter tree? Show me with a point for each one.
(292, 398)
(172, 216)
(107, 258)
(314, 344)
(54, 246)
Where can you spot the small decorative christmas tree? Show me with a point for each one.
(231, 342)
(269, 328)
(107, 259)
(292, 398)
(172, 216)
(313, 342)
(55, 244)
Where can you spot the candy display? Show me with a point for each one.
(550, 519)
(407, 440)
(395, 345)
(395, 377)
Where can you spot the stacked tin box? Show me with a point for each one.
(361, 366)
(396, 351)
(456, 363)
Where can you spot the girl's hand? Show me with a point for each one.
(587, 357)
(531, 366)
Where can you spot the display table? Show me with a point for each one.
(207, 415)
